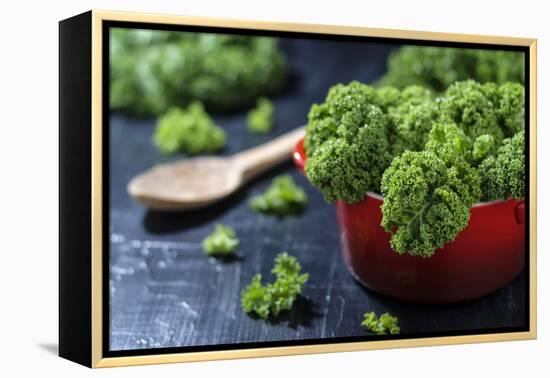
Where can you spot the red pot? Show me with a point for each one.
(485, 256)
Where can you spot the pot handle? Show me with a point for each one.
(520, 212)
(299, 155)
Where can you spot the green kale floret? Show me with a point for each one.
(503, 174)
(381, 326)
(466, 103)
(282, 198)
(411, 125)
(189, 130)
(427, 201)
(152, 71)
(415, 95)
(260, 119)
(352, 97)
(511, 108)
(351, 162)
(388, 98)
(222, 241)
(320, 128)
(484, 146)
(346, 103)
(273, 298)
(449, 143)
(438, 67)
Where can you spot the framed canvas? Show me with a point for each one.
(234, 189)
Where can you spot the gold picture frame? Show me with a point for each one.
(96, 19)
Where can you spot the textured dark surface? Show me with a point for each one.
(166, 293)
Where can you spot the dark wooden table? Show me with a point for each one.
(165, 292)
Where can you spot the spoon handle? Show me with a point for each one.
(259, 159)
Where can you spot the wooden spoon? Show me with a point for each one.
(193, 183)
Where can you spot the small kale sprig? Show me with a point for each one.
(282, 198)
(189, 130)
(223, 241)
(272, 298)
(381, 325)
(260, 119)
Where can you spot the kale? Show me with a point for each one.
(222, 241)
(427, 201)
(412, 120)
(189, 130)
(271, 299)
(383, 325)
(468, 104)
(511, 108)
(152, 71)
(438, 67)
(503, 174)
(430, 157)
(282, 198)
(484, 146)
(260, 119)
(346, 143)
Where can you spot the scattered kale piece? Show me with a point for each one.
(222, 241)
(271, 299)
(438, 67)
(153, 70)
(503, 174)
(189, 130)
(282, 198)
(260, 119)
(381, 326)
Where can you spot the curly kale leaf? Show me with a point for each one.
(467, 104)
(282, 198)
(352, 163)
(325, 119)
(503, 174)
(411, 124)
(189, 130)
(388, 98)
(223, 241)
(511, 108)
(415, 95)
(320, 128)
(484, 146)
(437, 67)
(273, 298)
(257, 298)
(260, 119)
(427, 201)
(449, 143)
(152, 71)
(354, 96)
(381, 326)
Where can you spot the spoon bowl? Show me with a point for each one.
(194, 183)
(186, 184)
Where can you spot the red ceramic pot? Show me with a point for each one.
(485, 256)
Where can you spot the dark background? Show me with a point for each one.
(165, 292)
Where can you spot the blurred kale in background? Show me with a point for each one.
(439, 67)
(152, 71)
